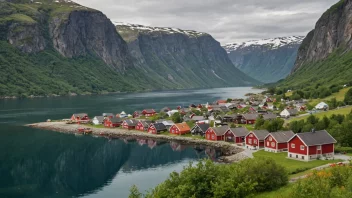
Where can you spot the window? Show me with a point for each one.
(213, 136)
(208, 136)
(249, 141)
(267, 143)
(250, 135)
(302, 157)
(302, 148)
(255, 141)
(270, 139)
(293, 145)
(296, 156)
(319, 148)
(290, 155)
(273, 144)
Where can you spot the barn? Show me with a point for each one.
(236, 135)
(277, 141)
(255, 139)
(311, 145)
(148, 112)
(216, 133)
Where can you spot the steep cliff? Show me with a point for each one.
(324, 58)
(184, 58)
(267, 60)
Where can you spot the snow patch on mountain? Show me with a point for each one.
(272, 43)
(168, 30)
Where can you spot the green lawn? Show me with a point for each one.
(248, 126)
(340, 96)
(276, 193)
(292, 166)
(343, 111)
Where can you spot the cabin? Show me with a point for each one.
(148, 112)
(97, 120)
(216, 133)
(197, 118)
(180, 129)
(255, 139)
(79, 116)
(311, 145)
(200, 129)
(122, 115)
(129, 124)
(250, 118)
(110, 115)
(137, 114)
(286, 113)
(143, 125)
(277, 141)
(228, 118)
(322, 106)
(236, 135)
(156, 128)
(112, 122)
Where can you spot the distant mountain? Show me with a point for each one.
(58, 47)
(267, 60)
(325, 56)
(185, 58)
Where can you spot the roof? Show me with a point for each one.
(146, 123)
(230, 116)
(159, 126)
(99, 118)
(197, 118)
(81, 115)
(293, 111)
(168, 122)
(316, 138)
(149, 111)
(282, 136)
(239, 131)
(204, 127)
(115, 120)
(269, 116)
(108, 114)
(250, 116)
(183, 127)
(131, 122)
(220, 130)
(261, 134)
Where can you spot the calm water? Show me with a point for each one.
(36, 163)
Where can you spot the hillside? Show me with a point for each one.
(267, 60)
(325, 57)
(58, 47)
(184, 57)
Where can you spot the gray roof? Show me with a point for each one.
(197, 118)
(81, 115)
(100, 118)
(160, 127)
(131, 122)
(269, 116)
(239, 131)
(261, 134)
(108, 114)
(293, 111)
(146, 123)
(282, 136)
(316, 138)
(250, 116)
(204, 127)
(168, 122)
(116, 120)
(220, 130)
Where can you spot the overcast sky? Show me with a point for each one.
(226, 20)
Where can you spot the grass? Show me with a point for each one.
(248, 126)
(343, 111)
(340, 96)
(292, 166)
(285, 190)
(19, 18)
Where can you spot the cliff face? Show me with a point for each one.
(332, 31)
(267, 60)
(184, 58)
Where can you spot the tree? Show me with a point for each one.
(134, 192)
(348, 97)
(228, 100)
(259, 122)
(176, 117)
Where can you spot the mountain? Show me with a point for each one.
(184, 57)
(325, 58)
(267, 60)
(58, 47)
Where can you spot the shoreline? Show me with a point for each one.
(230, 152)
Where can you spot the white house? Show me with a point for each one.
(98, 120)
(170, 113)
(322, 106)
(288, 112)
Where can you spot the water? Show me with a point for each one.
(37, 163)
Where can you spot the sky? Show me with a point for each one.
(227, 21)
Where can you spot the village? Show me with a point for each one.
(230, 120)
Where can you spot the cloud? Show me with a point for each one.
(226, 20)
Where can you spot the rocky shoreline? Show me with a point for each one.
(230, 152)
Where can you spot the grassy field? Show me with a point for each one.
(343, 111)
(340, 96)
(292, 166)
(276, 193)
(248, 126)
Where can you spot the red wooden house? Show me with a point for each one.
(156, 128)
(143, 125)
(129, 124)
(255, 139)
(311, 145)
(216, 133)
(277, 141)
(112, 122)
(137, 114)
(79, 116)
(250, 118)
(180, 129)
(148, 112)
(236, 135)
